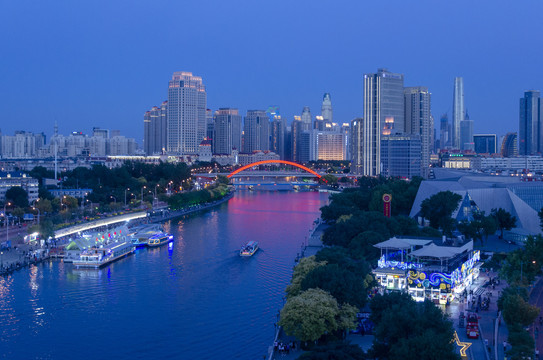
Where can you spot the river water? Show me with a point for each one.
(195, 299)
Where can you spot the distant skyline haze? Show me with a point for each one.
(105, 63)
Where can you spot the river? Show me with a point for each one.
(195, 299)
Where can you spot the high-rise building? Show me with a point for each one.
(418, 121)
(530, 124)
(485, 143)
(330, 146)
(356, 143)
(509, 146)
(306, 119)
(295, 133)
(383, 115)
(226, 131)
(256, 131)
(277, 136)
(186, 113)
(326, 109)
(210, 123)
(458, 111)
(154, 130)
(466, 133)
(444, 135)
(401, 155)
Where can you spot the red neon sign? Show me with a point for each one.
(273, 161)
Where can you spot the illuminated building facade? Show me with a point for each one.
(186, 113)
(256, 131)
(226, 131)
(331, 146)
(426, 270)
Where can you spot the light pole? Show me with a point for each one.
(125, 190)
(6, 219)
(145, 187)
(114, 199)
(35, 208)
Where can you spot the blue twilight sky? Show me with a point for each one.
(105, 62)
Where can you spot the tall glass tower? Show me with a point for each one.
(530, 124)
(383, 115)
(458, 111)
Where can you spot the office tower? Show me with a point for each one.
(256, 130)
(103, 133)
(295, 133)
(210, 122)
(401, 155)
(356, 145)
(330, 146)
(418, 121)
(227, 131)
(466, 133)
(288, 143)
(326, 109)
(444, 135)
(458, 111)
(186, 113)
(346, 131)
(530, 124)
(509, 146)
(319, 123)
(277, 136)
(484, 143)
(383, 115)
(306, 119)
(154, 131)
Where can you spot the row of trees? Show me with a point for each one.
(520, 269)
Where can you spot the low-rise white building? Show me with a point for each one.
(11, 179)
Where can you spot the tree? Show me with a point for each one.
(505, 220)
(341, 283)
(336, 351)
(518, 310)
(439, 207)
(304, 267)
(18, 196)
(405, 329)
(313, 313)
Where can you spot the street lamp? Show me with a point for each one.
(35, 208)
(145, 187)
(7, 221)
(114, 199)
(125, 190)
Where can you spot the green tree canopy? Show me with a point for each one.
(313, 313)
(405, 329)
(17, 196)
(304, 267)
(504, 219)
(439, 207)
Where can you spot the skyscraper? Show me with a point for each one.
(186, 113)
(418, 121)
(383, 115)
(154, 122)
(306, 119)
(466, 133)
(356, 141)
(509, 145)
(226, 131)
(326, 109)
(256, 130)
(530, 124)
(444, 135)
(458, 111)
(277, 136)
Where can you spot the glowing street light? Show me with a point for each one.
(6, 219)
(125, 190)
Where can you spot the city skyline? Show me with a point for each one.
(92, 71)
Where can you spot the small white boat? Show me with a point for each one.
(249, 249)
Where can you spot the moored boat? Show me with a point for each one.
(249, 249)
(96, 257)
(159, 239)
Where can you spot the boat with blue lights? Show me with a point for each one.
(96, 257)
(159, 239)
(249, 249)
(141, 235)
